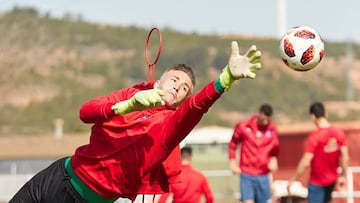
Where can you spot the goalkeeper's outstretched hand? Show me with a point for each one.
(140, 101)
(240, 66)
(244, 66)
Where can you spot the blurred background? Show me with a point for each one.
(55, 55)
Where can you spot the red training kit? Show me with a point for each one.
(126, 153)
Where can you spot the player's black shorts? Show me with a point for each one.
(51, 185)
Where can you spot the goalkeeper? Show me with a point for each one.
(134, 139)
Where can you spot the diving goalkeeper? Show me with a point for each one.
(135, 135)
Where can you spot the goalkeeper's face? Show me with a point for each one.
(177, 86)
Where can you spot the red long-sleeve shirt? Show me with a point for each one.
(125, 153)
(258, 144)
(193, 186)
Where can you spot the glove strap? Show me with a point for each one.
(218, 86)
(225, 79)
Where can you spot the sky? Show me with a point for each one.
(334, 20)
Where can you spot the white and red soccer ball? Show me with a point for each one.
(301, 48)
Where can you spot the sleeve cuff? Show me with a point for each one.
(219, 88)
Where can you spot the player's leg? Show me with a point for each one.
(316, 194)
(51, 185)
(262, 189)
(328, 190)
(247, 193)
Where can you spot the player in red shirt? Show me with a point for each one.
(259, 149)
(193, 184)
(134, 137)
(325, 151)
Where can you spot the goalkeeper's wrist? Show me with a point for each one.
(225, 79)
(219, 88)
(122, 107)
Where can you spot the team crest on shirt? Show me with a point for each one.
(268, 133)
(331, 146)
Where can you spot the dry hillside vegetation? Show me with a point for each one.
(49, 67)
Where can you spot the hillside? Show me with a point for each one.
(49, 67)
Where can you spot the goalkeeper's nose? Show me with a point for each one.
(176, 88)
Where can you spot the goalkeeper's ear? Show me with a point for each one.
(157, 84)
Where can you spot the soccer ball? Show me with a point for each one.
(301, 48)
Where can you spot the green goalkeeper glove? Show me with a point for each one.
(140, 101)
(239, 66)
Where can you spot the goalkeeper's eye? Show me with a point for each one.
(185, 88)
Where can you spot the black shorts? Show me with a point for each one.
(51, 185)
